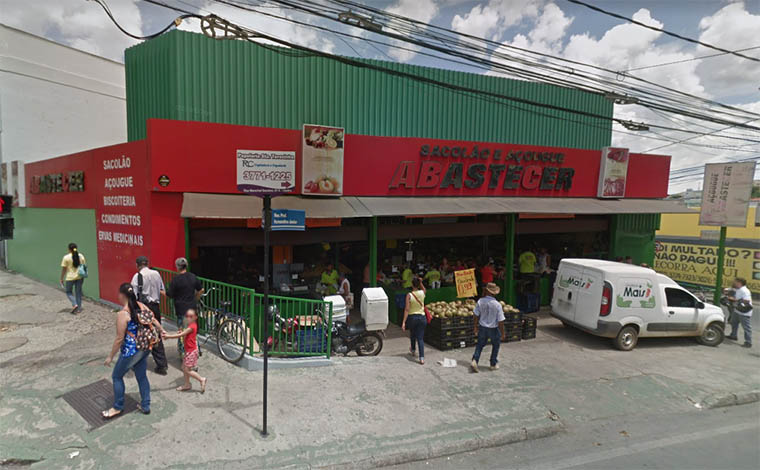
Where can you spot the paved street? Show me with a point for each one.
(386, 410)
(725, 438)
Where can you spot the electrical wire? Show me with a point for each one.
(669, 33)
(252, 35)
(645, 67)
(693, 111)
(177, 21)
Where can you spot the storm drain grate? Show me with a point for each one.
(90, 400)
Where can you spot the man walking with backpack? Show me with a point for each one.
(149, 286)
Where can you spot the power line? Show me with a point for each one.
(669, 33)
(469, 39)
(174, 23)
(645, 67)
(231, 30)
(663, 103)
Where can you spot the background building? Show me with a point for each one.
(54, 100)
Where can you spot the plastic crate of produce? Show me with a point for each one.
(311, 341)
(529, 333)
(528, 303)
(448, 333)
(529, 321)
(513, 317)
(512, 337)
(450, 322)
(445, 345)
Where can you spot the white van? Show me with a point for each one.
(625, 302)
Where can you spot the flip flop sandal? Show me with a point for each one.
(141, 410)
(107, 414)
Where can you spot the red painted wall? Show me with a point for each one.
(200, 157)
(116, 187)
(138, 216)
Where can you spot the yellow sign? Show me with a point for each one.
(466, 284)
(697, 264)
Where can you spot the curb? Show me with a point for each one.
(721, 400)
(475, 441)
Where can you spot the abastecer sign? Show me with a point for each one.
(443, 167)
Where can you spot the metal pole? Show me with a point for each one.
(509, 259)
(719, 273)
(373, 252)
(267, 224)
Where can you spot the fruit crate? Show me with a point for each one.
(528, 333)
(439, 323)
(513, 336)
(448, 333)
(529, 321)
(447, 344)
(513, 317)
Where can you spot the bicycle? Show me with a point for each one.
(228, 328)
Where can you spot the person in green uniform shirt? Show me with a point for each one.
(527, 262)
(407, 277)
(330, 279)
(433, 278)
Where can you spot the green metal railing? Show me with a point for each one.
(300, 327)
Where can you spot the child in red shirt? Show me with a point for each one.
(190, 359)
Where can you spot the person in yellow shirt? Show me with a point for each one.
(433, 278)
(330, 279)
(527, 262)
(407, 277)
(72, 278)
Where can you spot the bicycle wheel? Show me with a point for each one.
(230, 339)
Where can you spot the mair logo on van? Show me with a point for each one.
(575, 282)
(638, 294)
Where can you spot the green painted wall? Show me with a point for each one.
(41, 238)
(633, 235)
(187, 76)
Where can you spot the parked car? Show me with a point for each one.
(625, 302)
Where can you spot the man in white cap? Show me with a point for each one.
(489, 324)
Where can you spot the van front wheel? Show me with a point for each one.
(712, 335)
(626, 338)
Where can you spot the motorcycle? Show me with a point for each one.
(345, 338)
(355, 337)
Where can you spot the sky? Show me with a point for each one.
(555, 27)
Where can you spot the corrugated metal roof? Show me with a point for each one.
(187, 76)
(230, 206)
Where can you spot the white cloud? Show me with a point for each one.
(79, 24)
(420, 10)
(489, 20)
(732, 28)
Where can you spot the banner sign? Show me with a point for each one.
(466, 284)
(726, 193)
(288, 220)
(322, 160)
(697, 264)
(266, 172)
(613, 173)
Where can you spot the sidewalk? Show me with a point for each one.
(356, 413)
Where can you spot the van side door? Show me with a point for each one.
(681, 312)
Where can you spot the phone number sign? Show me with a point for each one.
(266, 172)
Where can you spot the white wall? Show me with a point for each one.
(55, 100)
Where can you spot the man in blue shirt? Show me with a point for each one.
(489, 324)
